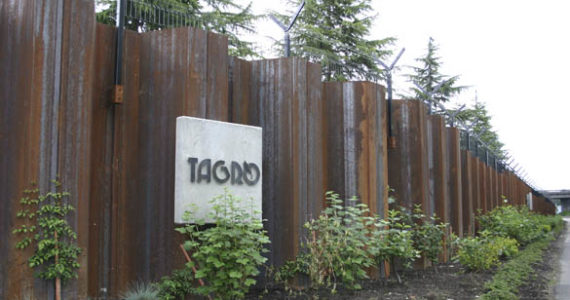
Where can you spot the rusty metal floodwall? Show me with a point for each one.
(317, 137)
(438, 173)
(454, 180)
(166, 74)
(425, 166)
(467, 187)
(428, 155)
(438, 166)
(408, 169)
(475, 188)
(483, 185)
(47, 61)
(543, 205)
(117, 160)
(355, 151)
(284, 97)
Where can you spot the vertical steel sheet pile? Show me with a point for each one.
(101, 162)
(354, 131)
(439, 171)
(166, 74)
(467, 186)
(47, 65)
(117, 160)
(284, 97)
(408, 172)
(454, 180)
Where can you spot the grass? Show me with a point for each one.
(141, 291)
(512, 274)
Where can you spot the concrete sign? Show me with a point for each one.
(212, 156)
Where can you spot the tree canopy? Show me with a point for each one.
(333, 33)
(479, 119)
(428, 76)
(225, 17)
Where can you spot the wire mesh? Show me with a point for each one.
(464, 140)
(146, 15)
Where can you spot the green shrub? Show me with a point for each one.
(346, 240)
(177, 285)
(484, 252)
(453, 243)
(336, 247)
(227, 255)
(476, 254)
(505, 247)
(502, 231)
(551, 223)
(427, 234)
(512, 274)
(509, 221)
(519, 223)
(393, 239)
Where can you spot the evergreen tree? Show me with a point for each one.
(333, 33)
(428, 76)
(221, 16)
(479, 119)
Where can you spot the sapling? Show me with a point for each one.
(46, 230)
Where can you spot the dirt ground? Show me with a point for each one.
(445, 281)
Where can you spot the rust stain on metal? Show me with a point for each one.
(455, 191)
(39, 136)
(117, 94)
(279, 95)
(117, 160)
(407, 164)
(467, 186)
(101, 133)
(356, 154)
(439, 171)
(483, 186)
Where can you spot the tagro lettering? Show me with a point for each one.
(236, 173)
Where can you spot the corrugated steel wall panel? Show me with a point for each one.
(284, 97)
(356, 151)
(45, 133)
(454, 181)
(117, 161)
(407, 163)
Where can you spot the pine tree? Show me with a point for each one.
(221, 16)
(480, 121)
(428, 77)
(333, 33)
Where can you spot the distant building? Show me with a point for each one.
(560, 197)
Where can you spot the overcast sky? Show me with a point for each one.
(515, 54)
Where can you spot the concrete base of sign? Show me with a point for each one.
(212, 157)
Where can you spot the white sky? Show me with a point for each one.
(515, 54)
